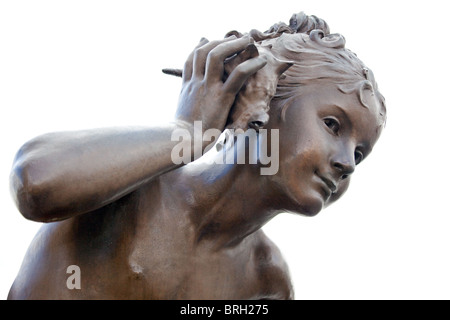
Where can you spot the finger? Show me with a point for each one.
(217, 56)
(201, 54)
(187, 70)
(242, 72)
(230, 63)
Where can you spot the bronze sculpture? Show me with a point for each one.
(137, 226)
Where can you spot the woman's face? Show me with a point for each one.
(325, 134)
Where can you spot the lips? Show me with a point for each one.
(327, 184)
(330, 184)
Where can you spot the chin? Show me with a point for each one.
(293, 199)
(308, 207)
(311, 211)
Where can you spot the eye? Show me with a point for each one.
(359, 156)
(332, 124)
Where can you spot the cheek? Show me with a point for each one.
(299, 165)
(305, 153)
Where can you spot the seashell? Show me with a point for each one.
(250, 109)
(251, 106)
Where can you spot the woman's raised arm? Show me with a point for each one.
(60, 175)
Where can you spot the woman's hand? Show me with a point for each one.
(61, 175)
(205, 96)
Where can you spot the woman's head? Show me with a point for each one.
(328, 109)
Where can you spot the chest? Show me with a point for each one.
(174, 269)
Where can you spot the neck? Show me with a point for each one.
(226, 202)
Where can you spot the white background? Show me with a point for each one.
(69, 65)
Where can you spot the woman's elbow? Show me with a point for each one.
(27, 189)
(26, 194)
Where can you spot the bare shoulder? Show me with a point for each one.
(272, 267)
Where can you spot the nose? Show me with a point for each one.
(343, 165)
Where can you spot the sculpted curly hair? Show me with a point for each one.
(318, 56)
